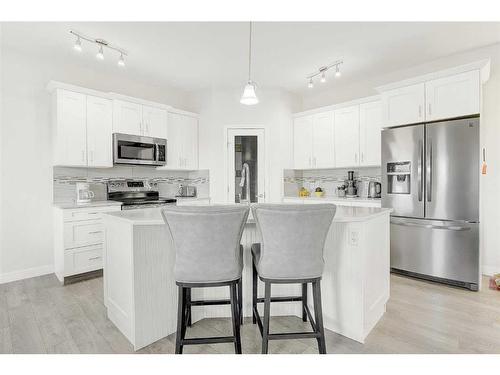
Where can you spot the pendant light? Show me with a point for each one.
(249, 97)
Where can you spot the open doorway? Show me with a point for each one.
(246, 168)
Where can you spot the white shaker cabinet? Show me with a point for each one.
(302, 142)
(347, 136)
(453, 96)
(182, 142)
(154, 122)
(127, 117)
(404, 105)
(70, 128)
(370, 127)
(99, 132)
(322, 142)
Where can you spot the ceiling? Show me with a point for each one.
(194, 55)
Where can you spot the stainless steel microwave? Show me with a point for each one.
(138, 150)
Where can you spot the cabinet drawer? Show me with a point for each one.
(83, 259)
(91, 213)
(83, 233)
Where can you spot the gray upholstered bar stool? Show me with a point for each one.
(207, 254)
(291, 252)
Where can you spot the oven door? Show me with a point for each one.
(137, 150)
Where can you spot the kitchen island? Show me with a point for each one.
(141, 296)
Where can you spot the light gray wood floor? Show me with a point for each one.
(39, 315)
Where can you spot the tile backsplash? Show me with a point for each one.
(327, 179)
(168, 182)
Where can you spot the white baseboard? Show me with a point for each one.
(489, 270)
(26, 273)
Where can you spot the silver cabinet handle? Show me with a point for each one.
(430, 109)
(428, 171)
(362, 157)
(356, 157)
(419, 169)
(95, 258)
(96, 232)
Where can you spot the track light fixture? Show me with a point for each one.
(101, 43)
(322, 73)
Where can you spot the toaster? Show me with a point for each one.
(187, 191)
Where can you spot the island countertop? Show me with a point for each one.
(152, 216)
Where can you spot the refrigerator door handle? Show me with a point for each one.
(428, 171)
(419, 169)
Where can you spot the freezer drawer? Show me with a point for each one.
(448, 250)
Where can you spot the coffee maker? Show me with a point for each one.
(83, 193)
(350, 183)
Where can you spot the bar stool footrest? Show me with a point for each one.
(208, 340)
(210, 302)
(293, 335)
(281, 299)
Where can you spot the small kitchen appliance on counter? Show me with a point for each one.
(374, 189)
(83, 193)
(136, 194)
(187, 191)
(350, 183)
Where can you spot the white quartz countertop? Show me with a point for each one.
(72, 205)
(335, 199)
(152, 216)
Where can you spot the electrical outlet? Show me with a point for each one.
(353, 238)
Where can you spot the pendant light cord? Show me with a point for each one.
(250, 52)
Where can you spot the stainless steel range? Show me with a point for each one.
(137, 194)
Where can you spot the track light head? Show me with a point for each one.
(337, 71)
(100, 54)
(311, 83)
(323, 77)
(121, 60)
(78, 45)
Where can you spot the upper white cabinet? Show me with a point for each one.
(182, 142)
(138, 119)
(313, 141)
(404, 105)
(347, 136)
(370, 127)
(322, 142)
(82, 130)
(453, 96)
(99, 132)
(70, 128)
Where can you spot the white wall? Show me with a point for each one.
(490, 133)
(26, 171)
(219, 108)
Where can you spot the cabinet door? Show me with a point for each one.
(370, 127)
(404, 105)
(71, 129)
(154, 122)
(453, 96)
(302, 142)
(347, 136)
(127, 117)
(99, 132)
(323, 144)
(174, 140)
(189, 157)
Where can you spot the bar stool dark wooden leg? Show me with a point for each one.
(318, 316)
(188, 306)
(180, 321)
(240, 300)
(304, 302)
(235, 318)
(254, 292)
(267, 314)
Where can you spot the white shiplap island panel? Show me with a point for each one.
(141, 295)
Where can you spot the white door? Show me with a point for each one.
(302, 142)
(127, 117)
(190, 142)
(370, 127)
(72, 128)
(404, 105)
(453, 96)
(258, 194)
(99, 132)
(347, 136)
(323, 144)
(154, 122)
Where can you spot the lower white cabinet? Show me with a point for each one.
(79, 238)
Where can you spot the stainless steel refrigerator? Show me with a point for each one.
(430, 178)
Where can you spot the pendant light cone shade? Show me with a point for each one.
(78, 45)
(249, 97)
